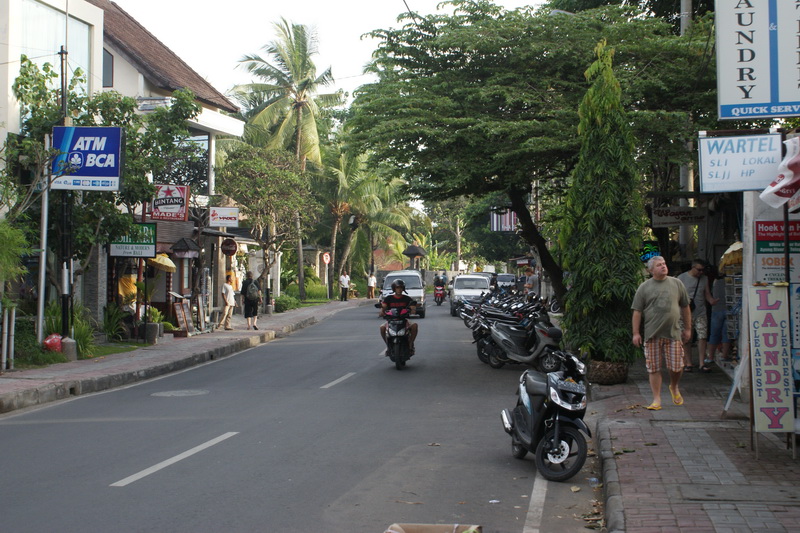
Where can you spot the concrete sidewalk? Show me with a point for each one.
(28, 388)
(685, 468)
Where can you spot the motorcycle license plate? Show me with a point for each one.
(572, 386)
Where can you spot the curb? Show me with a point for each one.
(614, 512)
(42, 392)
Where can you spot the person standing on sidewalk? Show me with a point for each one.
(696, 284)
(252, 300)
(664, 304)
(344, 284)
(229, 299)
(372, 282)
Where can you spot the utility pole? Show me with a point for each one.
(686, 172)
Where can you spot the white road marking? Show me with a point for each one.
(146, 472)
(336, 382)
(533, 520)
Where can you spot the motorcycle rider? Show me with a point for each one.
(399, 300)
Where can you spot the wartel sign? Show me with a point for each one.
(89, 158)
(171, 203)
(757, 50)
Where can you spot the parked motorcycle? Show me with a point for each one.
(438, 294)
(548, 419)
(533, 341)
(398, 345)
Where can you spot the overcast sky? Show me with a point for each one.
(212, 37)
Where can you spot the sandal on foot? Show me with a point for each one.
(688, 368)
(677, 399)
(653, 407)
(705, 368)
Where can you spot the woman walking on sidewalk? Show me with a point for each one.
(663, 302)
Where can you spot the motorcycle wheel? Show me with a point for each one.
(482, 355)
(517, 449)
(555, 307)
(549, 362)
(494, 361)
(398, 355)
(453, 311)
(566, 459)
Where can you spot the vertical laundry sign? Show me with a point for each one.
(757, 50)
(770, 346)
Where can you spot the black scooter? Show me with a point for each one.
(398, 343)
(548, 419)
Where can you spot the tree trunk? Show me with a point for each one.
(532, 236)
(337, 221)
(301, 275)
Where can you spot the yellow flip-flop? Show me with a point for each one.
(653, 407)
(677, 399)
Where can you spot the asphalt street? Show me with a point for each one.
(316, 431)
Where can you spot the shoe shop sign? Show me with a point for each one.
(771, 360)
(757, 48)
(88, 158)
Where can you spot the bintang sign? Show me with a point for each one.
(757, 58)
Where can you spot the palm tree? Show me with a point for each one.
(376, 210)
(287, 105)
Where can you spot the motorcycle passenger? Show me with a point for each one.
(399, 300)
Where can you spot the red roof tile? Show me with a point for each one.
(157, 62)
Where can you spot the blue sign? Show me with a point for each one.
(89, 158)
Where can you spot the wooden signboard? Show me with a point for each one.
(187, 314)
(179, 316)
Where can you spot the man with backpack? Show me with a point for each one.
(252, 299)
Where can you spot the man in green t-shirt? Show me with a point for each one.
(663, 302)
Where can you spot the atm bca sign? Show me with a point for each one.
(89, 159)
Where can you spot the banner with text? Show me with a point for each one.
(770, 258)
(770, 368)
(224, 217)
(741, 163)
(757, 48)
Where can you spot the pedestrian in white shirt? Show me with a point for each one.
(372, 282)
(344, 284)
(229, 299)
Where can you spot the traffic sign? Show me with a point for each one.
(228, 247)
(326, 258)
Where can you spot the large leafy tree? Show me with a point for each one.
(601, 234)
(270, 189)
(485, 101)
(287, 99)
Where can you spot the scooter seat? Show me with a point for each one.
(517, 333)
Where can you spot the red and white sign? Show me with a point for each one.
(326, 258)
(171, 203)
(228, 247)
(787, 184)
(224, 217)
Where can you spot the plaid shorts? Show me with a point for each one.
(671, 349)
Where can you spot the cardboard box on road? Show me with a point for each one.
(432, 528)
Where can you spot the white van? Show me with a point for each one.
(415, 287)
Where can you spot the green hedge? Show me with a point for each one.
(286, 302)
(314, 291)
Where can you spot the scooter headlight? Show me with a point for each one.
(556, 398)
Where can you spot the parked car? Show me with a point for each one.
(415, 287)
(467, 286)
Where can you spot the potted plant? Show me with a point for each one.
(602, 231)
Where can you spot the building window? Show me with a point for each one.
(43, 35)
(108, 69)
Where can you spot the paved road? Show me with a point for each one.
(313, 432)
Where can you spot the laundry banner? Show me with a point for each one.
(171, 203)
(787, 184)
(771, 359)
